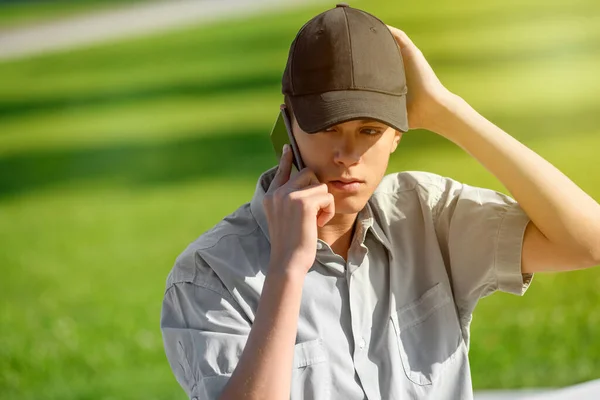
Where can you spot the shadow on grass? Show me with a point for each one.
(226, 155)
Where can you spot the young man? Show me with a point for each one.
(340, 283)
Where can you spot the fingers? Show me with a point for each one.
(283, 170)
(318, 199)
(327, 210)
(401, 37)
(305, 178)
(312, 190)
(305, 186)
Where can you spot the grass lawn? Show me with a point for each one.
(113, 158)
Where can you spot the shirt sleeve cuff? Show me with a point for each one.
(508, 252)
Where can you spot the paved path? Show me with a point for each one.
(583, 391)
(126, 21)
(507, 394)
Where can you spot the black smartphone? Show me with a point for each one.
(282, 134)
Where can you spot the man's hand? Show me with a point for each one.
(426, 94)
(294, 208)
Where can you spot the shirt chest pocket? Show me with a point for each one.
(311, 373)
(428, 335)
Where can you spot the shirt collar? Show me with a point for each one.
(373, 225)
(365, 216)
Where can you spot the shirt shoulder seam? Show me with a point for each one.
(207, 247)
(204, 284)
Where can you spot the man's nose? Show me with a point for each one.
(346, 153)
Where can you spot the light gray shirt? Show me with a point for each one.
(390, 323)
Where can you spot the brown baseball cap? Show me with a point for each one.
(345, 64)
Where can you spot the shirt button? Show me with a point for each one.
(319, 246)
(362, 344)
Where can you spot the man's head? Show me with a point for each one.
(345, 90)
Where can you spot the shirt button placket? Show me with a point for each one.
(360, 327)
(355, 321)
(362, 344)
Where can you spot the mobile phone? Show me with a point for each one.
(282, 134)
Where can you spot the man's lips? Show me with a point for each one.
(347, 180)
(348, 185)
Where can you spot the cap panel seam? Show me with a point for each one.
(350, 43)
(391, 34)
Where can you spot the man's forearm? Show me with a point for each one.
(563, 212)
(265, 367)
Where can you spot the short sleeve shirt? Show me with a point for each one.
(391, 322)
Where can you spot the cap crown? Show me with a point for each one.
(344, 49)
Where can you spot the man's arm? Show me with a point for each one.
(264, 369)
(564, 232)
(294, 207)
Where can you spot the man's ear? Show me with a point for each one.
(397, 137)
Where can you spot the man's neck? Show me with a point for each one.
(338, 233)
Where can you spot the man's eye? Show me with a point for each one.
(370, 131)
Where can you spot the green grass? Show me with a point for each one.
(15, 13)
(113, 158)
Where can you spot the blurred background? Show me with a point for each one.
(114, 155)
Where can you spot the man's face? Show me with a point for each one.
(351, 158)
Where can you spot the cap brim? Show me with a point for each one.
(316, 112)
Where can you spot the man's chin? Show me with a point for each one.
(350, 204)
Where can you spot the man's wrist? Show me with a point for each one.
(447, 115)
(285, 276)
